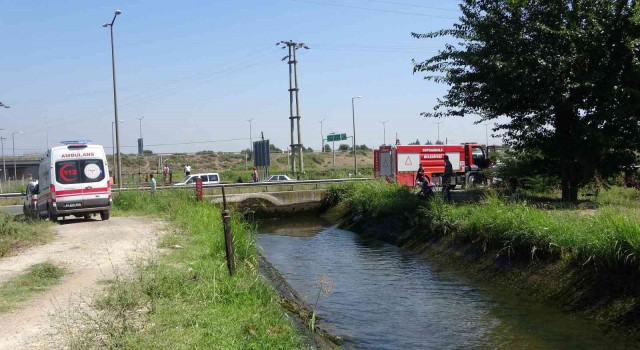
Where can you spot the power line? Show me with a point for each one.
(69, 97)
(412, 5)
(370, 9)
(165, 92)
(190, 143)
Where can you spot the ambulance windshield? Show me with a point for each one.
(79, 171)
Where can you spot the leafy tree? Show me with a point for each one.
(362, 148)
(274, 149)
(428, 142)
(307, 150)
(439, 142)
(565, 73)
(344, 147)
(415, 143)
(327, 148)
(147, 152)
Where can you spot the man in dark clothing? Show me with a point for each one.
(420, 174)
(446, 179)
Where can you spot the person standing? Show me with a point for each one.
(152, 183)
(187, 169)
(446, 179)
(170, 173)
(420, 174)
(254, 176)
(165, 173)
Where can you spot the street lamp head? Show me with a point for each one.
(357, 97)
(118, 12)
(106, 25)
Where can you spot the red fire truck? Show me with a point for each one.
(401, 163)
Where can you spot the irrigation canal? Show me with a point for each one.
(387, 298)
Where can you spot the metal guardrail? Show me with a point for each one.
(249, 184)
(227, 185)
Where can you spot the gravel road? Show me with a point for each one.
(90, 250)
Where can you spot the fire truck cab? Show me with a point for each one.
(402, 162)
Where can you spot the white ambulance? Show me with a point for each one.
(74, 180)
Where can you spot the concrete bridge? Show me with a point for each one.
(25, 167)
(279, 196)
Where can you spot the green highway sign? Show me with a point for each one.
(336, 137)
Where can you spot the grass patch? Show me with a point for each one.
(37, 279)
(186, 299)
(17, 232)
(608, 236)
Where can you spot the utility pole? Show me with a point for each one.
(293, 96)
(321, 135)
(4, 165)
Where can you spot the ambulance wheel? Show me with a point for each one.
(52, 217)
(104, 215)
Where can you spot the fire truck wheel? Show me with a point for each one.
(474, 180)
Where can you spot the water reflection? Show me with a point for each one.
(386, 298)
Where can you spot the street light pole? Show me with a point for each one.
(321, 135)
(384, 132)
(438, 123)
(250, 137)
(115, 99)
(4, 164)
(140, 119)
(113, 152)
(353, 116)
(13, 142)
(486, 134)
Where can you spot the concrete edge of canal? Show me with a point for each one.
(297, 309)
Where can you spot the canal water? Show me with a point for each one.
(387, 298)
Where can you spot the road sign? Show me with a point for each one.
(336, 137)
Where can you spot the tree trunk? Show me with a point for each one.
(566, 148)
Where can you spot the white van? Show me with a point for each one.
(73, 180)
(207, 179)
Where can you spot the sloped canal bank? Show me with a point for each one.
(385, 297)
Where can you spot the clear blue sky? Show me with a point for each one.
(197, 70)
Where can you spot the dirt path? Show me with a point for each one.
(90, 250)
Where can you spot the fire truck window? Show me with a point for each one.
(478, 155)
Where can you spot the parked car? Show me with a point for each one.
(207, 179)
(29, 206)
(278, 178)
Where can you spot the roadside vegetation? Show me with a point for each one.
(17, 232)
(231, 166)
(604, 232)
(37, 279)
(185, 299)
